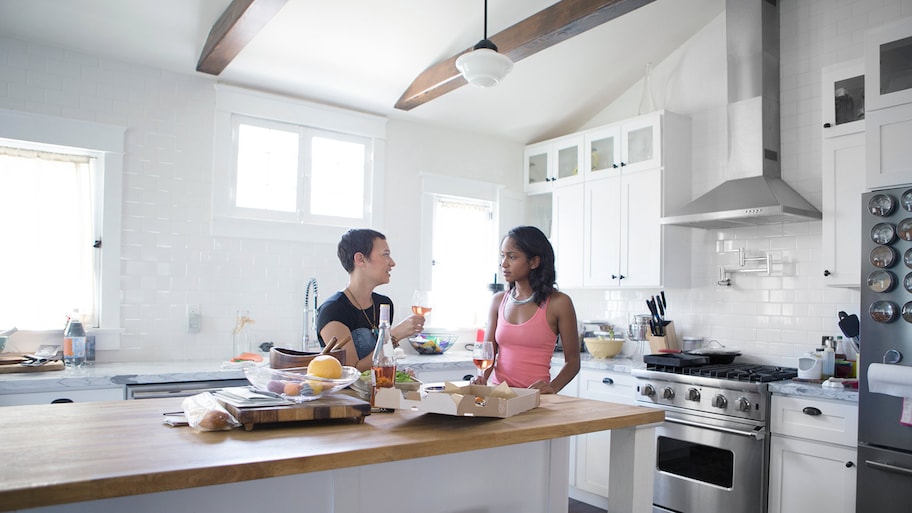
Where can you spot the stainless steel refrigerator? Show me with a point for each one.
(884, 441)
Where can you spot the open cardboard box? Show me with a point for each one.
(467, 400)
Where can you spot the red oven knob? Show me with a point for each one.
(693, 394)
(668, 393)
(647, 390)
(719, 401)
(743, 404)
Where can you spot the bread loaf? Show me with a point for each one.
(215, 420)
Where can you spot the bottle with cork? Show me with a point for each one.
(383, 364)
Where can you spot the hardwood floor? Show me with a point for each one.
(576, 506)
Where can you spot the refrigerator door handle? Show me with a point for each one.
(888, 468)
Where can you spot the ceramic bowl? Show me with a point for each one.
(602, 348)
(296, 385)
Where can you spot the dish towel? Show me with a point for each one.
(895, 380)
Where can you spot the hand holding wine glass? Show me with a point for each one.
(482, 357)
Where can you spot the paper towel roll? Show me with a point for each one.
(895, 380)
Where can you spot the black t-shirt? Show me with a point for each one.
(361, 323)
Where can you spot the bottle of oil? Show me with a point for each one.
(383, 365)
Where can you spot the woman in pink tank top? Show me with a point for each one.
(525, 321)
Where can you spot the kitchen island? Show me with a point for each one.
(118, 456)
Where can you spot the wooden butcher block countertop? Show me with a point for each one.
(63, 453)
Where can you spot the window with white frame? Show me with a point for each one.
(62, 207)
(292, 170)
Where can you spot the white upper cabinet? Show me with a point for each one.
(843, 98)
(552, 163)
(606, 229)
(843, 165)
(888, 58)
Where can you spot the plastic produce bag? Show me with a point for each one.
(204, 413)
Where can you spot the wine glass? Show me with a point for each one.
(421, 303)
(482, 357)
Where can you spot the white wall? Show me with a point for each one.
(169, 260)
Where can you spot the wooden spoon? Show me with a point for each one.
(329, 345)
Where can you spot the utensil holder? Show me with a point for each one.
(667, 341)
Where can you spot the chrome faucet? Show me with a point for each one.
(308, 322)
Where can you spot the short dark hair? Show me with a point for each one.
(356, 240)
(533, 243)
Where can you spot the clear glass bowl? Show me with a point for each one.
(432, 343)
(296, 385)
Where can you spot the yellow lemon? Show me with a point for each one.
(325, 366)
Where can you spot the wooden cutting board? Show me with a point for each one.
(335, 406)
(9, 363)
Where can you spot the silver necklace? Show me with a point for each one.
(519, 301)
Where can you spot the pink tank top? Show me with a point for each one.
(524, 351)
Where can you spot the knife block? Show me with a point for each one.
(668, 341)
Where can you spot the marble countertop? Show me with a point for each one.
(802, 389)
(107, 374)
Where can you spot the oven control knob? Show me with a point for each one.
(648, 390)
(743, 404)
(668, 393)
(693, 394)
(719, 401)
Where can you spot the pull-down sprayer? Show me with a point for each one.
(308, 321)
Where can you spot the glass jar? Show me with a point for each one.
(242, 332)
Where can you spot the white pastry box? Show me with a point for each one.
(467, 400)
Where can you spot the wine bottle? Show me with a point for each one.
(383, 366)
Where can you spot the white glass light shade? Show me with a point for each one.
(484, 67)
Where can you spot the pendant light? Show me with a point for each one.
(483, 66)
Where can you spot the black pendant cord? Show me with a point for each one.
(486, 20)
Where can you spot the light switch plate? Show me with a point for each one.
(194, 318)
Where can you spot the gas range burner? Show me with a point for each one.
(732, 371)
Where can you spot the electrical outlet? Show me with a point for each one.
(194, 319)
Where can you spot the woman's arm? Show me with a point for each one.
(568, 330)
(341, 331)
(493, 311)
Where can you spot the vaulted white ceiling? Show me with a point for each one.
(363, 54)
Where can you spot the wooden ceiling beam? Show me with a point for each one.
(542, 30)
(237, 26)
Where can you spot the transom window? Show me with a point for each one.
(294, 170)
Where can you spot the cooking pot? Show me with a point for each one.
(717, 355)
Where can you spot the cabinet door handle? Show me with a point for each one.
(615, 166)
(621, 277)
(849, 464)
(614, 276)
(623, 164)
(468, 377)
(826, 272)
(827, 125)
(608, 381)
(810, 410)
(888, 468)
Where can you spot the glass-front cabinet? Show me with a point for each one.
(552, 163)
(888, 52)
(843, 98)
(632, 145)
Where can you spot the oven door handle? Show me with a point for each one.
(756, 435)
(888, 468)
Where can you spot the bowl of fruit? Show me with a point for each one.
(323, 376)
(432, 343)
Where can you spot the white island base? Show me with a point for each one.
(524, 478)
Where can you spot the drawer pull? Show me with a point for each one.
(888, 468)
(608, 381)
(810, 410)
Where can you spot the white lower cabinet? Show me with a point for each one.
(812, 455)
(593, 450)
(63, 396)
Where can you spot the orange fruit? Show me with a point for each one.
(325, 366)
(292, 389)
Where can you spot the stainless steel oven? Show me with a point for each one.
(712, 450)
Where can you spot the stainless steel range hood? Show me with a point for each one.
(754, 194)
